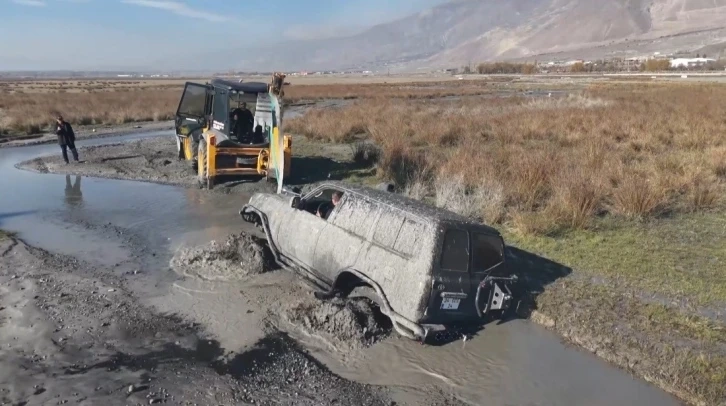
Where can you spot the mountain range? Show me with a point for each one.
(461, 32)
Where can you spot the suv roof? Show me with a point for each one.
(407, 204)
(247, 87)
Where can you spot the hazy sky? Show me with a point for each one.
(106, 34)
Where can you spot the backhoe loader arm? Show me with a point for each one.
(276, 86)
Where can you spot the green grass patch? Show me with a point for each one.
(683, 257)
(6, 234)
(684, 354)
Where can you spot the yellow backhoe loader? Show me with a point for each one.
(233, 128)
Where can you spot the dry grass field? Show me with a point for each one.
(28, 107)
(547, 164)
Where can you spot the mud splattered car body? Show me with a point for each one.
(426, 267)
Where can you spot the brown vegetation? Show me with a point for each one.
(29, 107)
(412, 90)
(32, 113)
(554, 163)
(578, 67)
(656, 65)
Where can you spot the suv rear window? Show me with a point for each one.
(486, 250)
(455, 255)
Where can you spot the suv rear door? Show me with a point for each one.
(451, 297)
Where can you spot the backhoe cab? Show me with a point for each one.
(230, 128)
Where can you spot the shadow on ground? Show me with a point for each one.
(316, 169)
(307, 170)
(535, 273)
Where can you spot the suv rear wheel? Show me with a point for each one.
(366, 292)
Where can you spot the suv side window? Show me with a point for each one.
(455, 253)
(321, 199)
(487, 252)
(409, 236)
(389, 223)
(357, 216)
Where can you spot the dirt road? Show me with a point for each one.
(86, 132)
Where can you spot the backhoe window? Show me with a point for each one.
(220, 111)
(236, 99)
(192, 101)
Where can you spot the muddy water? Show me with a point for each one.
(515, 363)
(45, 208)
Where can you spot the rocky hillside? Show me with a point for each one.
(460, 31)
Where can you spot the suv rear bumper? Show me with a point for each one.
(493, 293)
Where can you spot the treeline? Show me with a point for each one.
(506, 67)
(651, 65)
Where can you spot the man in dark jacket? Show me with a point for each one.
(242, 121)
(66, 138)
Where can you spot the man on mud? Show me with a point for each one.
(66, 138)
(325, 209)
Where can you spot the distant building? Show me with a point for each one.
(689, 62)
(633, 62)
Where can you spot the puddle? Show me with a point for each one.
(512, 363)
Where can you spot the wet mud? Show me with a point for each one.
(87, 133)
(239, 256)
(150, 160)
(357, 323)
(155, 159)
(343, 323)
(73, 333)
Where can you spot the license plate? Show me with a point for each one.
(448, 303)
(246, 161)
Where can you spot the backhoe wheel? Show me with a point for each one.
(179, 148)
(195, 147)
(202, 160)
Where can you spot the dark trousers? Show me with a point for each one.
(72, 146)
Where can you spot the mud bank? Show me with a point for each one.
(684, 355)
(74, 333)
(155, 160)
(149, 160)
(87, 133)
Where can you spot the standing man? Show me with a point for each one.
(66, 138)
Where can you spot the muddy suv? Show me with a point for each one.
(425, 267)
